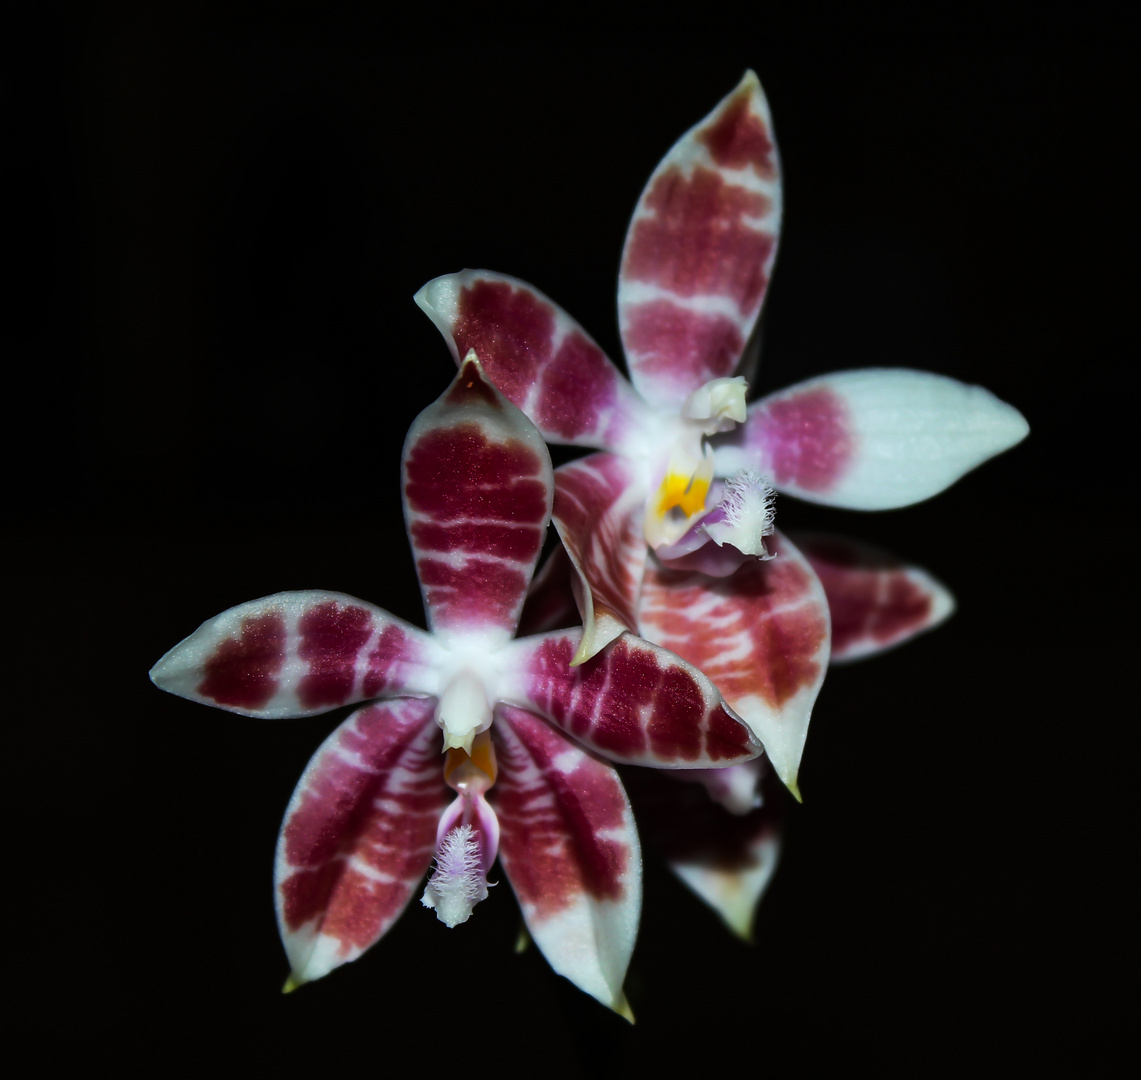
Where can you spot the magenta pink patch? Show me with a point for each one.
(738, 138)
(331, 638)
(680, 346)
(553, 822)
(697, 243)
(242, 671)
(805, 438)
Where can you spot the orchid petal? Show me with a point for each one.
(537, 355)
(876, 600)
(872, 439)
(633, 703)
(599, 506)
(700, 250)
(761, 635)
(734, 787)
(727, 859)
(570, 850)
(358, 835)
(298, 654)
(477, 498)
(550, 603)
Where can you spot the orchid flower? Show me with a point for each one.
(523, 732)
(722, 832)
(686, 469)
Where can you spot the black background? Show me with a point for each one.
(218, 216)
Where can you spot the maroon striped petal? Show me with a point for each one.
(600, 505)
(727, 859)
(876, 600)
(633, 703)
(872, 439)
(477, 498)
(700, 250)
(537, 355)
(358, 835)
(761, 635)
(299, 653)
(570, 850)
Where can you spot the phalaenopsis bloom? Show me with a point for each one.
(523, 734)
(670, 526)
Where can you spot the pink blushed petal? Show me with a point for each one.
(297, 654)
(700, 250)
(358, 835)
(537, 355)
(599, 511)
(477, 498)
(633, 703)
(876, 600)
(872, 439)
(727, 859)
(570, 850)
(761, 635)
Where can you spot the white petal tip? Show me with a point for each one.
(293, 982)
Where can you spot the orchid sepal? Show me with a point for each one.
(872, 439)
(299, 654)
(876, 600)
(700, 250)
(725, 857)
(477, 487)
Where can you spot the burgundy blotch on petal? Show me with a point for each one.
(570, 850)
(477, 498)
(877, 601)
(297, 654)
(700, 250)
(359, 834)
(633, 703)
(536, 354)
